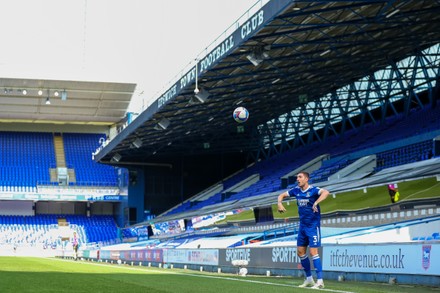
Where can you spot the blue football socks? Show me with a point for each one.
(305, 262)
(318, 266)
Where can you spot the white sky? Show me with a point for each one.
(138, 41)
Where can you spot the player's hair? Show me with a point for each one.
(306, 174)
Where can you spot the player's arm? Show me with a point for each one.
(281, 208)
(323, 193)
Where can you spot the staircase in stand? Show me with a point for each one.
(59, 150)
(60, 157)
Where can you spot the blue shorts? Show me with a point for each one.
(309, 236)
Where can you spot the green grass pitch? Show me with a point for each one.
(21, 274)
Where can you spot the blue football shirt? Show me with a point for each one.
(305, 200)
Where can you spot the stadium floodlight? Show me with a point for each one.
(193, 101)
(116, 157)
(202, 95)
(63, 95)
(392, 13)
(163, 124)
(196, 88)
(325, 52)
(257, 56)
(254, 59)
(48, 98)
(137, 143)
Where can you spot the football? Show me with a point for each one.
(240, 114)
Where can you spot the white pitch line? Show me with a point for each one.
(261, 282)
(199, 275)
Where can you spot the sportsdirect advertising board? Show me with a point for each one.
(420, 259)
(267, 257)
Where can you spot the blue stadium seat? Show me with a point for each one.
(78, 149)
(22, 155)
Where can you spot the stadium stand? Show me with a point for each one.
(404, 155)
(25, 160)
(78, 149)
(396, 142)
(42, 230)
(399, 231)
(27, 157)
(96, 228)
